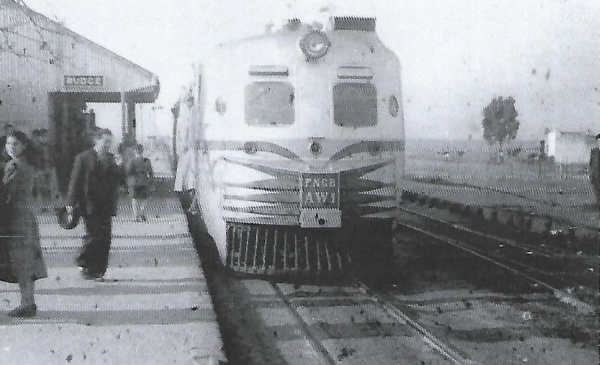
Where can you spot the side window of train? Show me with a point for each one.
(270, 103)
(355, 105)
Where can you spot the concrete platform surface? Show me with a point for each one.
(153, 306)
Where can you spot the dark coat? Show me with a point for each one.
(22, 253)
(94, 187)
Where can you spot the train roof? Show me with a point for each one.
(295, 27)
(356, 35)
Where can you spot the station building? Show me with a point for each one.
(49, 73)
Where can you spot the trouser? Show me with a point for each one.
(96, 243)
(186, 198)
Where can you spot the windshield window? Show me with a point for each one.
(270, 103)
(354, 105)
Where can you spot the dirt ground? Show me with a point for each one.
(491, 330)
(486, 314)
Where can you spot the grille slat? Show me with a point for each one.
(274, 266)
(285, 252)
(306, 258)
(247, 244)
(318, 255)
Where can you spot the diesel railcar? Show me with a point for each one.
(295, 138)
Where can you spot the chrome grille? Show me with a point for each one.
(272, 250)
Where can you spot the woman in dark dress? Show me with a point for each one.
(21, 232)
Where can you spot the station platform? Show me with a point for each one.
(153, 306)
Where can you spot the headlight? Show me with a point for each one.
(315, 148)
(315, 45)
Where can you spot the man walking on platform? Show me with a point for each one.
(93, 190)
(595, 170)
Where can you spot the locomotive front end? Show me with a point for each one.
(305, 179)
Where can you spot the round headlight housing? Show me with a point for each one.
(315, 148)
(315, 45)
(250, 148)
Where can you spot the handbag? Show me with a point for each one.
(66, 220)
(6, 272)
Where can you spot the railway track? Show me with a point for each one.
(354, 324)
(534, 265)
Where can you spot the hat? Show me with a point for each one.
(67, 221)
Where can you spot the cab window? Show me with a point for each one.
(355, 105)
(269, 103)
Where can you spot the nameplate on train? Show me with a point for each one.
(320, 190)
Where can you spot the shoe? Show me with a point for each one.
(84, 273)
(94, 276)
(24, 312)
(88, 275)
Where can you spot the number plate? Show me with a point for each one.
(320, 191)
(320, 200)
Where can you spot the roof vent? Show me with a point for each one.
(352, 72)
(354, 23)
(293, 24)
(268, 70)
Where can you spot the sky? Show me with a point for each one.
(456, 55)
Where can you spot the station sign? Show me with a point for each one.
(83, 80)
(320, 190)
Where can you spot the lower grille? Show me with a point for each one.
(272, 250)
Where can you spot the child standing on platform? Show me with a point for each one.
(139, 175)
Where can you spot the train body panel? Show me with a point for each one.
(287, 144)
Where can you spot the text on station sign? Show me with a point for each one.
(74, 80)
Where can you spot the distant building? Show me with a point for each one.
(569, 147)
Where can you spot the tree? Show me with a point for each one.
(25, 33)
(500, 122)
